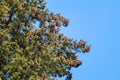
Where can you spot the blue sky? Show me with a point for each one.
(97, 22)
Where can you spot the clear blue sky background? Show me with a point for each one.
(97, 22)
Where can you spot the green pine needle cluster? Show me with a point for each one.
(32, 52)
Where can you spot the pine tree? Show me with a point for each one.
(32, 52)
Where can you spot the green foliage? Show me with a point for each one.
(35, 53)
